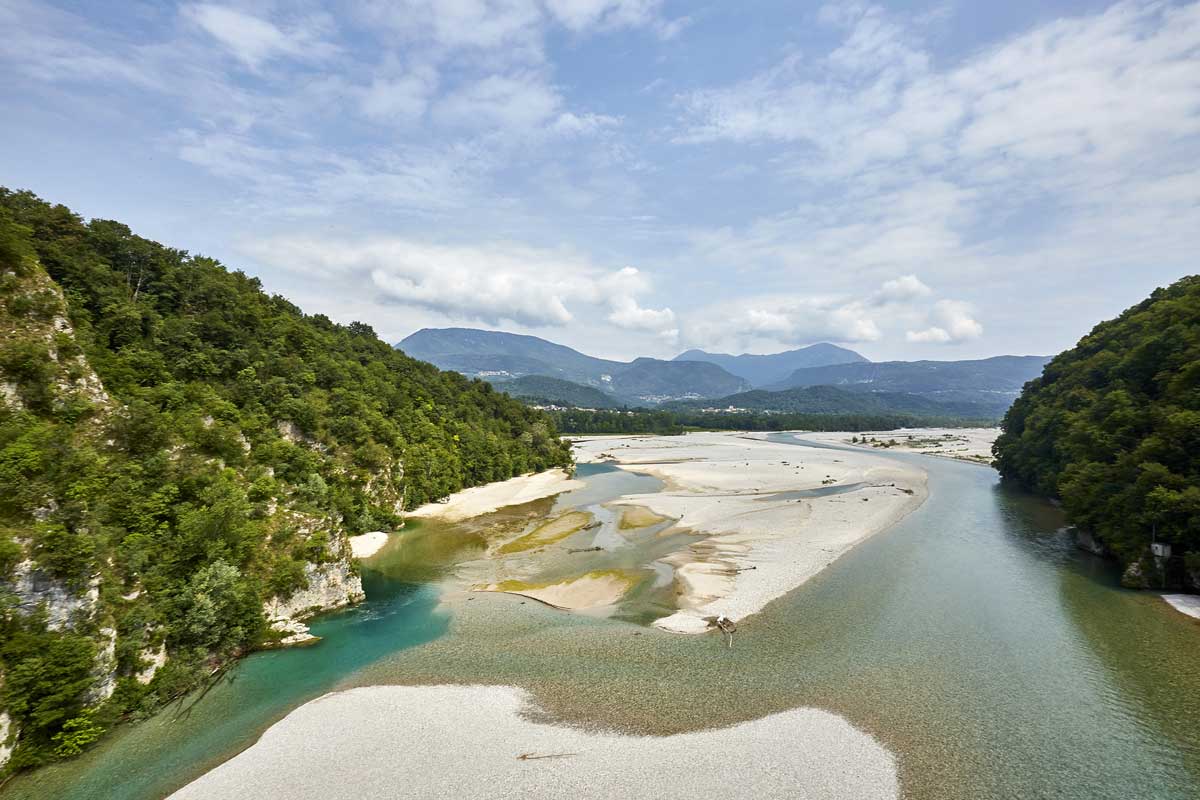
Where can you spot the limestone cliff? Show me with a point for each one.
(328, 586)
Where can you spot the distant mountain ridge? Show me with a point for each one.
(978, 388)
(763, 370)
(498, 356)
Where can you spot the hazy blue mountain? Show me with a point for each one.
(995, 380)
(837, 400)
(763, 370)
(543, 390)
(499, 356)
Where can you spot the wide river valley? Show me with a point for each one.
(993, 658)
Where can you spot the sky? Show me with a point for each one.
(936, 180)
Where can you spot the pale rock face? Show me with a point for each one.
(154, 659)
(330, 586)
(1134, 577)
(290, 431)
(10, 395)
(33, 587)
(105, 670)
(6, 731)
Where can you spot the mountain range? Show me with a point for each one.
(497, 356)
(521, 365)
(763, 370)
(993, 382)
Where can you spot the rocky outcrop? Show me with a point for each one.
(330, 586)
(6, 733)
(1134, 577)
(154, 660)
(104, 673)
(33, 587)
(1085, 541)
(10, 394)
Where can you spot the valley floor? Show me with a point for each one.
(749, 517)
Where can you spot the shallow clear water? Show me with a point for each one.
(992, 657)
(150, 759)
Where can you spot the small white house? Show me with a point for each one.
(1160, 550)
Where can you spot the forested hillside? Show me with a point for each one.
(182, 457)
(1112, 428)
(544, 391)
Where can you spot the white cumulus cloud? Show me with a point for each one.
(492, 284)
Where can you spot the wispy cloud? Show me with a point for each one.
(254, 40)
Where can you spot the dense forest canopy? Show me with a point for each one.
(234, 441)
(1112, 428)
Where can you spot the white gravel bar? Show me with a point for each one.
(772, 514)
(467, 742)
(490, 497)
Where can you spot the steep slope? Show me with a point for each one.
(182, 458)
(496, 355)
(834, 400)
(1112, 428)
(552, 391)
(996, 380)
(763, 370)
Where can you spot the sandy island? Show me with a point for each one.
(488, 498)
(773, 514)
(474, 742)
(596, 589)
(962, 444)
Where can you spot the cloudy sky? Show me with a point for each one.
(636, 177)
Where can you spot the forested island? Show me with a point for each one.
(1112, 430)
(182, 458)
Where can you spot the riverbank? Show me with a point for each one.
(479, 742)
(490, 497)
(768, 515)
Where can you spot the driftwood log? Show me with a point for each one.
(727, 627)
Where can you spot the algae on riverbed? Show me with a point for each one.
(548, 533)
(601, 587)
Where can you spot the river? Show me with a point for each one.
(993, 658)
